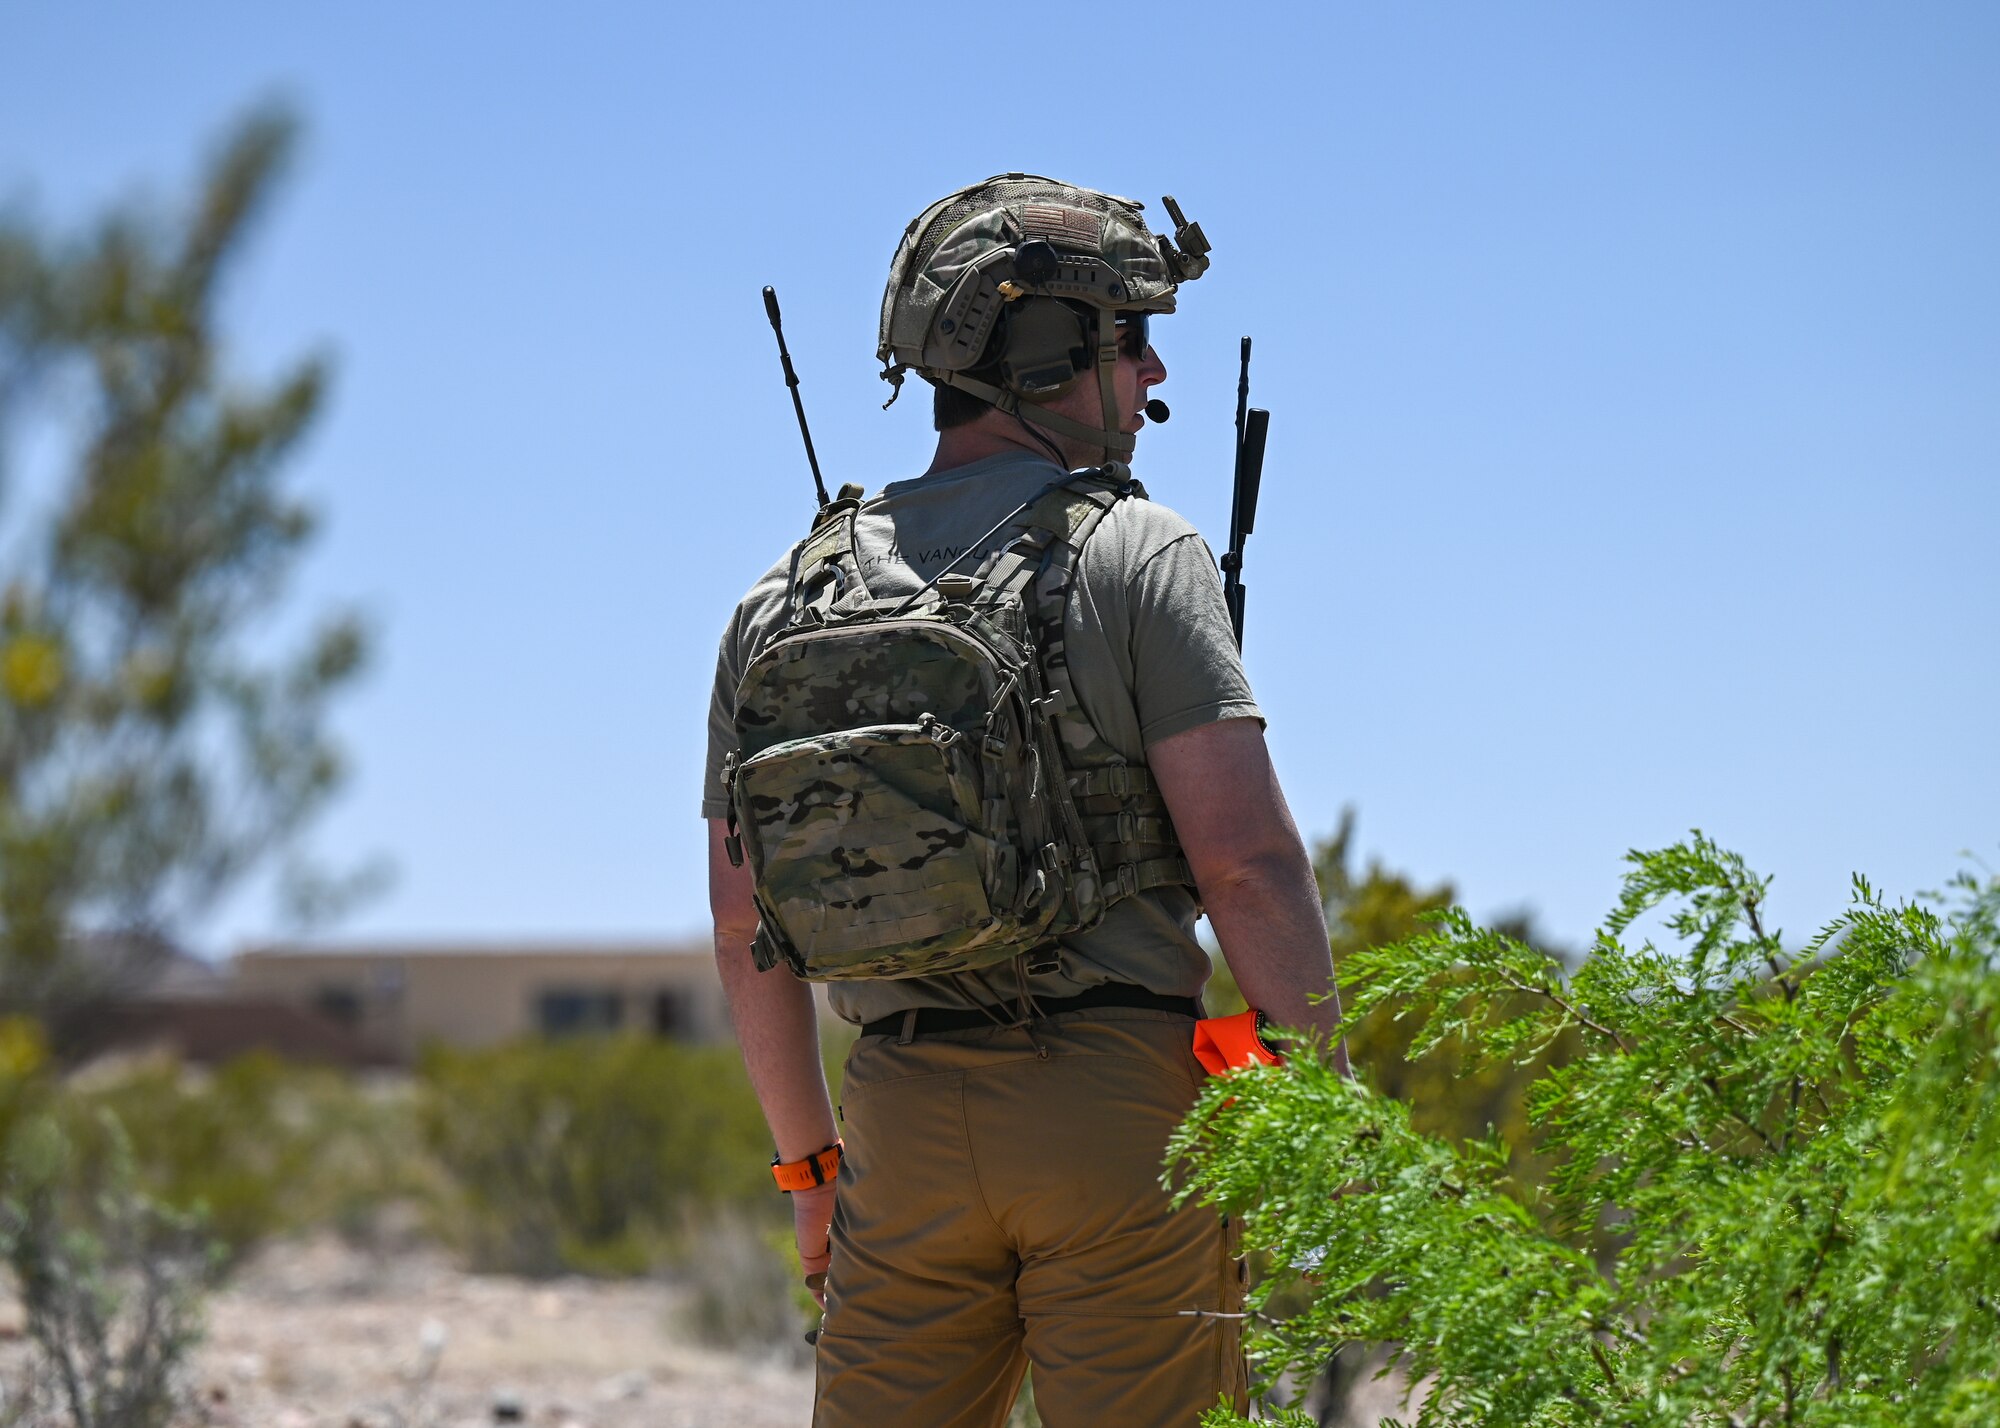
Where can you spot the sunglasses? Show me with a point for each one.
(1134, 334)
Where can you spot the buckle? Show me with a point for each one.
(1043, 960)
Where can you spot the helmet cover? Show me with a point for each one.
(967, 256)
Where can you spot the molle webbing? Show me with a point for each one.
(1126, 820)
(1114, 824)
(1123, 815)
(825, 572)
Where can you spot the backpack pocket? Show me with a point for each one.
(869, 851)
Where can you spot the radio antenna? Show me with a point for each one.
(792, 381)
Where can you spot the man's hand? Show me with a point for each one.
(812, 1221)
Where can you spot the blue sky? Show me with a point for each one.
(1634, 370)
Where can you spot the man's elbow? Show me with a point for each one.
(1253, 872)
(732, 946)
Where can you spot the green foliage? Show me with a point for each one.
(21, 1060)
(148, 755)
(745, 1290)
(1451, 1095)
(589, 1153)
(111, 1279)
(258, 1147)
(1799, 1154)
(1023, 1414)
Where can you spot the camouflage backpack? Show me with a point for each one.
(914, 784)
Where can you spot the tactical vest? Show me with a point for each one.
(916, 787)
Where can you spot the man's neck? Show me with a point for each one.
(996, 434)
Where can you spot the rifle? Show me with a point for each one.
(1252, 425)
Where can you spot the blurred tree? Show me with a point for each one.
(1448, 1094)
(149, 755)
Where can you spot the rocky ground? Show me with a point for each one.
(315, 1334)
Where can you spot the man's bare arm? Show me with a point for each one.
(776, 1022)
(777, 1026)
(1255, 876)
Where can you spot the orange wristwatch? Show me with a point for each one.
(819, 1168)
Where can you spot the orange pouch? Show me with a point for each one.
(1228, 1043)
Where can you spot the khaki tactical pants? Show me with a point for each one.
(1000, 1205)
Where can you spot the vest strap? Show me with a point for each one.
(1124, 818)
(1118, 780)
(1146, 823)
(1148, 873)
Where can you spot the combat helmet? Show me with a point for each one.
(1009, 290)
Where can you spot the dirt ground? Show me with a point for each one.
(316, 1334)
(319, 1334)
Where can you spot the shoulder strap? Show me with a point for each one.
(1124, 818)
(1052, 535)
(1039, 565)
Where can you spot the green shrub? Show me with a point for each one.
(259, 1146)
(744, 1287)
(22, 1064)
(588, 1154)
(1797, 1154)
(111, 1279)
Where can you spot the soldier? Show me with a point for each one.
(981, 752)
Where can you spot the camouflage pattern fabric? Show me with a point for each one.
(869, 839)
(910, 781)
(944, 245)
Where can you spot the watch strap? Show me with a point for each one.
(819, 1168)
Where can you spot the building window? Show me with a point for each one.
(574, 1011)
(338, 1004)
(670, 1014)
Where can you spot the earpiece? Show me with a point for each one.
(1041, 346)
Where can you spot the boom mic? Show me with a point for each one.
(1156, 410)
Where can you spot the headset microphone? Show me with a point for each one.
(1156, 410)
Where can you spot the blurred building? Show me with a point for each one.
(396, 999)
(136, 993)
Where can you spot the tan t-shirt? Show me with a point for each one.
(1150, 652)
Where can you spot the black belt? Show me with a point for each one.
(931, 1020)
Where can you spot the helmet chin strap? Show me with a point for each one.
(1107, 379)
(1117, 444)
(1043, 440)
